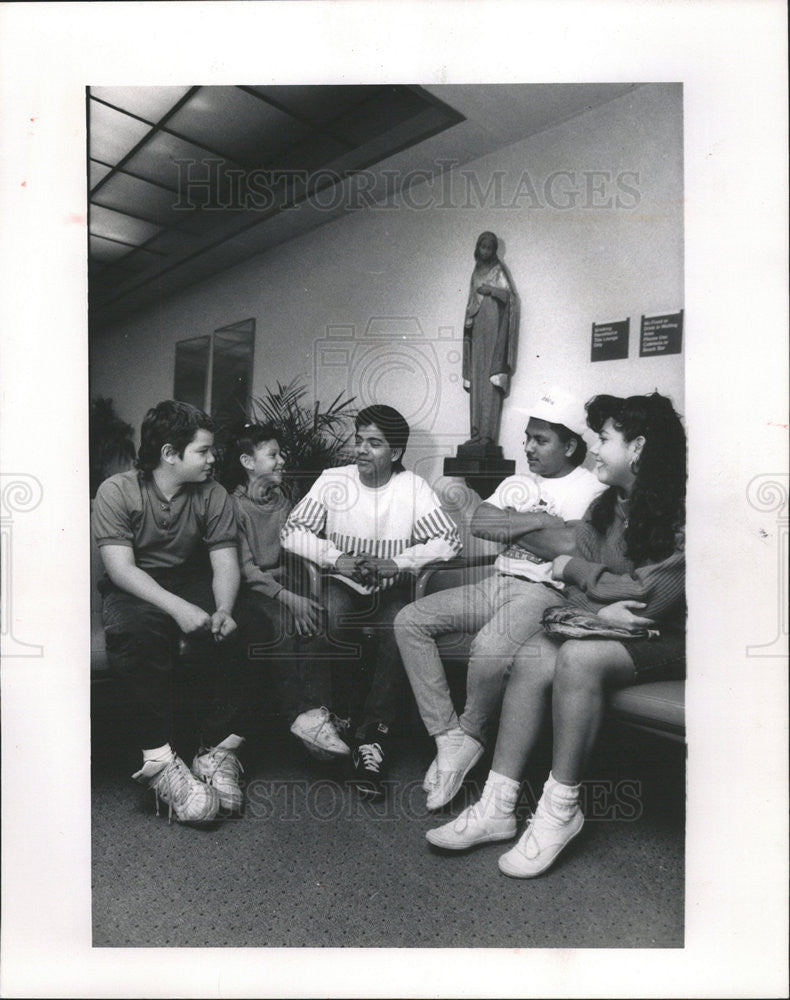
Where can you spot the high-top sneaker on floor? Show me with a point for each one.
(221, 768)
(190, 800)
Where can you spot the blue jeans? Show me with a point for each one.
(503, 612)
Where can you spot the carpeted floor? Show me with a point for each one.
(311, 865)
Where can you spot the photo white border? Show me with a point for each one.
(731, 58)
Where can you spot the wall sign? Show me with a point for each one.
(610, 341)
(661, 334)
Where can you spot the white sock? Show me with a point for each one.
(451, 738)
(558, 800)
(500, 795)
(165, 752)
(231, 742)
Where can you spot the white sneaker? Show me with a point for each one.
(430, 776)
(539, 845)
(316, 729)
(191, 800)
(456, 756)
(220, 767)
(472, 826)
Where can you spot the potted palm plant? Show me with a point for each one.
(111, 442)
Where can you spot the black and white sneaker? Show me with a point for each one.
(368, 763)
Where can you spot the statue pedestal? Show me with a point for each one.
(482, 466)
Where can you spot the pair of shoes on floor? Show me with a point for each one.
(536, 849)
(196, 796)
(319, 730)
(457, 753)
(369, 763)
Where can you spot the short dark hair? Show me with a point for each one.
(565, 434)
(169, 422)
(244, 442)
(391, 424)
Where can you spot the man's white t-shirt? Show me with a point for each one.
(567, 497)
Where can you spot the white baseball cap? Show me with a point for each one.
(557, 406)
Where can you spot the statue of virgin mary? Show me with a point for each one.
(490, 337)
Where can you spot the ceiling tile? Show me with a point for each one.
(106, 250)
(389, 108)
(112, 133)
(150, 103)
(155, 161)
(97, 172)
(124, 193)
(234, 122)
(318, 104)
(117, 226)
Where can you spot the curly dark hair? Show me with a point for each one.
(244, 440)
(169, 422)
(658, 498)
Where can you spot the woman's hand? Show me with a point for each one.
(621, 614)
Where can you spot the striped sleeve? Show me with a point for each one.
(304, 533)
(434, 535)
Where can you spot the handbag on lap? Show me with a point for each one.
(573, 623)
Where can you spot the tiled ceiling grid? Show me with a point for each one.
(141, 232)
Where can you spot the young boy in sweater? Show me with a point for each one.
(280, 626)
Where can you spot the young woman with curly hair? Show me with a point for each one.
(625, 564)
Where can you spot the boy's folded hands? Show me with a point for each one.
(365, 568)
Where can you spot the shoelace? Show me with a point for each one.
(225, 762)
(372, 756)
(341, 725)
(176, 776)
(543, 822)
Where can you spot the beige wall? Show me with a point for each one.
(374, 301)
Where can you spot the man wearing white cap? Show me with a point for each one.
(532, 515)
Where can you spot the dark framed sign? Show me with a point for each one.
(661, 334)
(610, 340)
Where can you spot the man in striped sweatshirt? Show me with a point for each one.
(373, 526)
